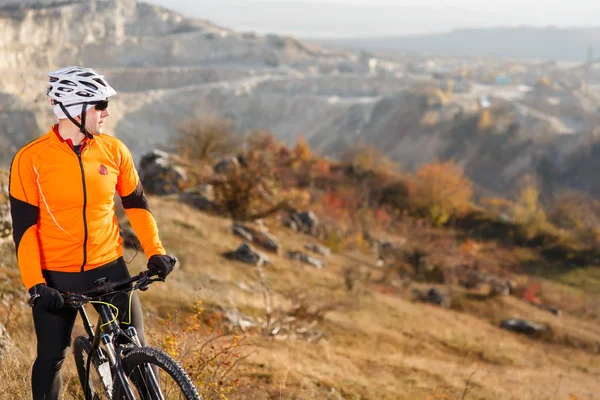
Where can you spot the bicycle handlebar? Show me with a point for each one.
(104, 287)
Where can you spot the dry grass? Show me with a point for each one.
(379, 346)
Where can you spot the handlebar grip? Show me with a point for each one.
(32, 299)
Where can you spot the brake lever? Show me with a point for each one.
(32, 299)
(75, 301)
(142, 283)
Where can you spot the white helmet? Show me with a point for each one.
(73, 89)
(77, 85)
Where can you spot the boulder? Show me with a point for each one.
(305, 258)
(291, 223)
(469, 278)
(547, 307)
(526, 327)
(242, 231)
(240, 321)
(207, 190)
(266, 241)
(498, 286)
(434, 296)
(246, 254)
(261, 238)
(309, 220)
(228, 163)
(322, 250)
(161, 173)
(305, 222)
(197, 200)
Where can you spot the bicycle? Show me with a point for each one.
(111, 362)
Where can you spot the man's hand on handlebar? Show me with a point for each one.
(45, 297)
(48, 298)
(161, 265)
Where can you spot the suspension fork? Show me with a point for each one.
(106, 335)
(93, 337)
(89, 328)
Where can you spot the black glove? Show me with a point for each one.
(45, 297)
(161, 265)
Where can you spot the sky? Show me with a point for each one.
(359, 18)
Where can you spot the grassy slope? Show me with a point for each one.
(387, 347)
(380, 346)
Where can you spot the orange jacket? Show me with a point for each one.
(63, 209)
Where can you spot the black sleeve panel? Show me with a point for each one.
(24, 216)
(137, 199)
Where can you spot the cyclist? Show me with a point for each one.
(66, 233)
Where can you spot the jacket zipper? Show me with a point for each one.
(85, 237)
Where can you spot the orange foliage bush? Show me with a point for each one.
(529, 213)
(339, 204)
(209, 354)
(302, 150)
(440, 192)
(496, 206)
(321, 167)
(469, 248)
(365, 158)
(579, 214)
(531, 292)
(382, 218)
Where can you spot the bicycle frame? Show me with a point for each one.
(105, 336)
(106, 332)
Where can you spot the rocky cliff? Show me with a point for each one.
(167, 67)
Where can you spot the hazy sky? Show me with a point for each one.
(347, 18)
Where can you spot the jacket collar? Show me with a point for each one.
(56, 138)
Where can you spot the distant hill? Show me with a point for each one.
(521, 42)
(168, 67)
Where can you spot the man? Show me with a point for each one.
(66, 233)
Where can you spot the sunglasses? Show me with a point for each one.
(101, 105)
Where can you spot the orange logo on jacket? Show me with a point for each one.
(103, 170)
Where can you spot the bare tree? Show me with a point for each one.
(206, 137)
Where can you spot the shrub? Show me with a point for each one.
(529, 213)
(260, 184)
(367, 158)
(440, 192)
(209, 355)
(395, 194)
(206, 137)
(302, 150)
(578, 214)
(497, 207)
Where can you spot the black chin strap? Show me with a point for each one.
(81, 125)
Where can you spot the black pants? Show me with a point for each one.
(53, 329)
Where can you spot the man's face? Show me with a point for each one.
(94, 120)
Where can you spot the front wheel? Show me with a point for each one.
(99, 384)
(155, 375)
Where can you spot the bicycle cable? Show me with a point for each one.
(116, 312)
(130, 297)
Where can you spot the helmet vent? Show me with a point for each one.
(90, 85)
(99, 81)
